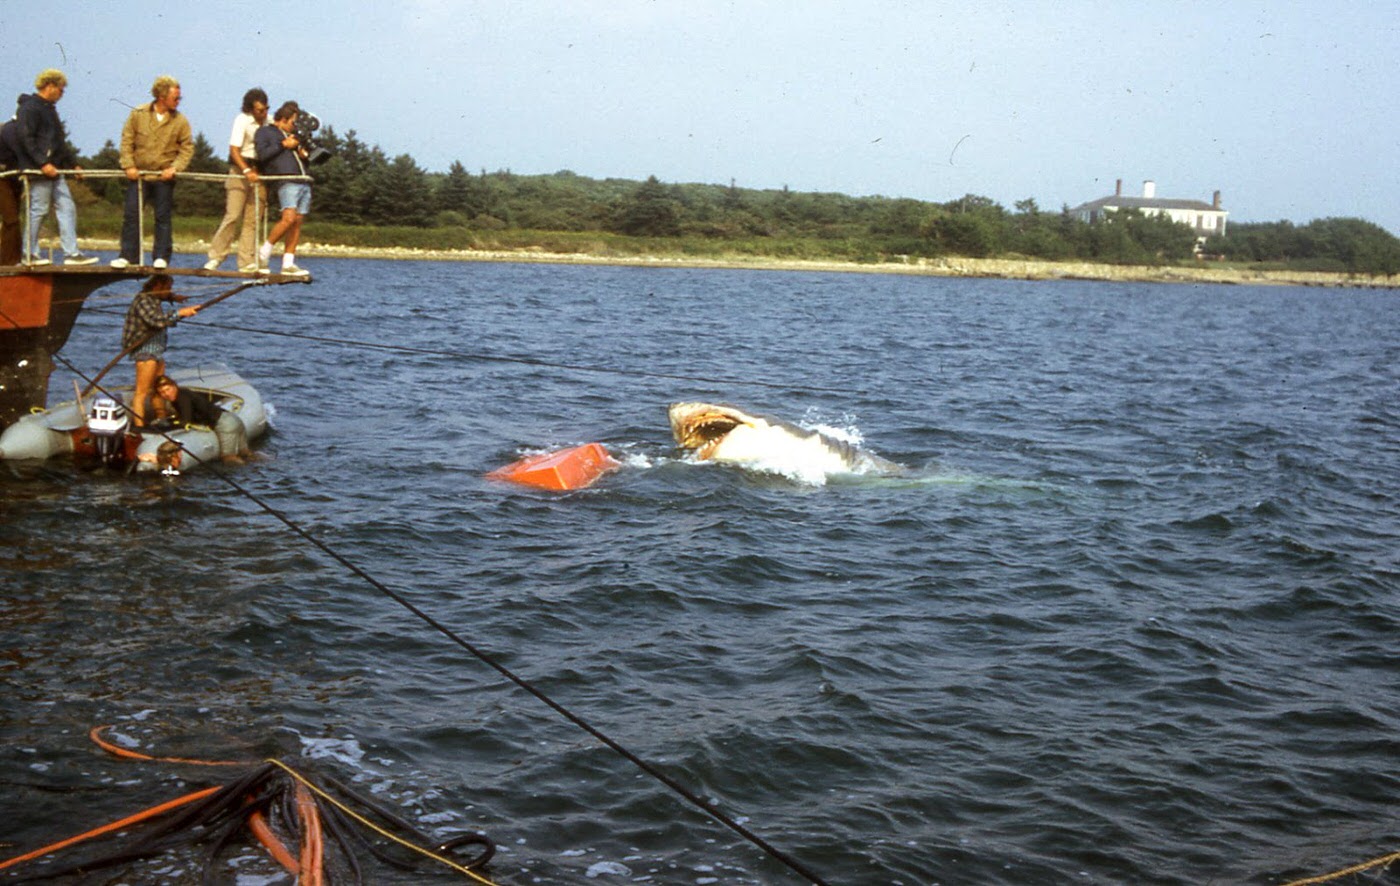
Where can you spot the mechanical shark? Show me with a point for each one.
(716, 432)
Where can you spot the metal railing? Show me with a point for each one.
(260, 231)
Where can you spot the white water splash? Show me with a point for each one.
(343, 750)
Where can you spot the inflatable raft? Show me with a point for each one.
(99, 428)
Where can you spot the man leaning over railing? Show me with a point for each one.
(156, 137)
(34, 140)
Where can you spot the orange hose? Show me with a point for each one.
(312, 846)
(114, 826)
(257, 823)
(95, 735)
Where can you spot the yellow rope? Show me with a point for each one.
(1354, 869)
(377, 829)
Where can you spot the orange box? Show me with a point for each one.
(563, 470)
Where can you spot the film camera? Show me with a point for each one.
(304, 129)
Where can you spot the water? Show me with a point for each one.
(1130, 619)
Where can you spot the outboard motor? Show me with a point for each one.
(107, 425)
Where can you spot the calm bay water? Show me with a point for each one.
(1130, 619)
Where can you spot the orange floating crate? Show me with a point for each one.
(563, 470)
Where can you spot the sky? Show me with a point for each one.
(1290, 109)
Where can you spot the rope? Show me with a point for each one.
(1383, 861)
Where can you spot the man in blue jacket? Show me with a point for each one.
(35, 139)
(280, 153)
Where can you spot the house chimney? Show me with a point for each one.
(1215, 201)
(1118, 188)
(1149, 189)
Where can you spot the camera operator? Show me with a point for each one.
(280, 153)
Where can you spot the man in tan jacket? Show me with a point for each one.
(157, 145)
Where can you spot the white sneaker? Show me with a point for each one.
(251, 269)
(119, 263)
(159, 264)
(294, 271)
(212, 265)
(78, 258)
(35, 261)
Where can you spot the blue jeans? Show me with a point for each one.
(161, 195)
(44, 192)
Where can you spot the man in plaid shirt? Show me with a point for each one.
(144, 336)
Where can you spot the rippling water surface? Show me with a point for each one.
(1131, 617)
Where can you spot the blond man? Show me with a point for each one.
(34, 138)
(157, 145)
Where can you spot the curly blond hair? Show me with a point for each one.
(164, 83)
(50, 76)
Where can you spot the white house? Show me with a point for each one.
(1206, 219)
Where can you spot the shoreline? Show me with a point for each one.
(998, 268)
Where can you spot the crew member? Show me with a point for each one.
(144, 335)
(241, 187)
(182, 408)
(155, 140)
(34, 139)
(281, 153)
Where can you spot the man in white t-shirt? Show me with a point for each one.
(241, 208)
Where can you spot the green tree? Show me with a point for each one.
(971, 234)
(1360, 246)
(900, 218)
(650, 211)
(459, 192)
(971, 225)
(733, 198)
(398, 192)
(1162, 239)
(343, 182)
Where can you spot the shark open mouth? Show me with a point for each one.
(722, 433)
(701, 427)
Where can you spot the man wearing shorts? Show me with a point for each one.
(280, 154)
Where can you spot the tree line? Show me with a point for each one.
(362, 186)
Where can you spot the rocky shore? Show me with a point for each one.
(1012, 269)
